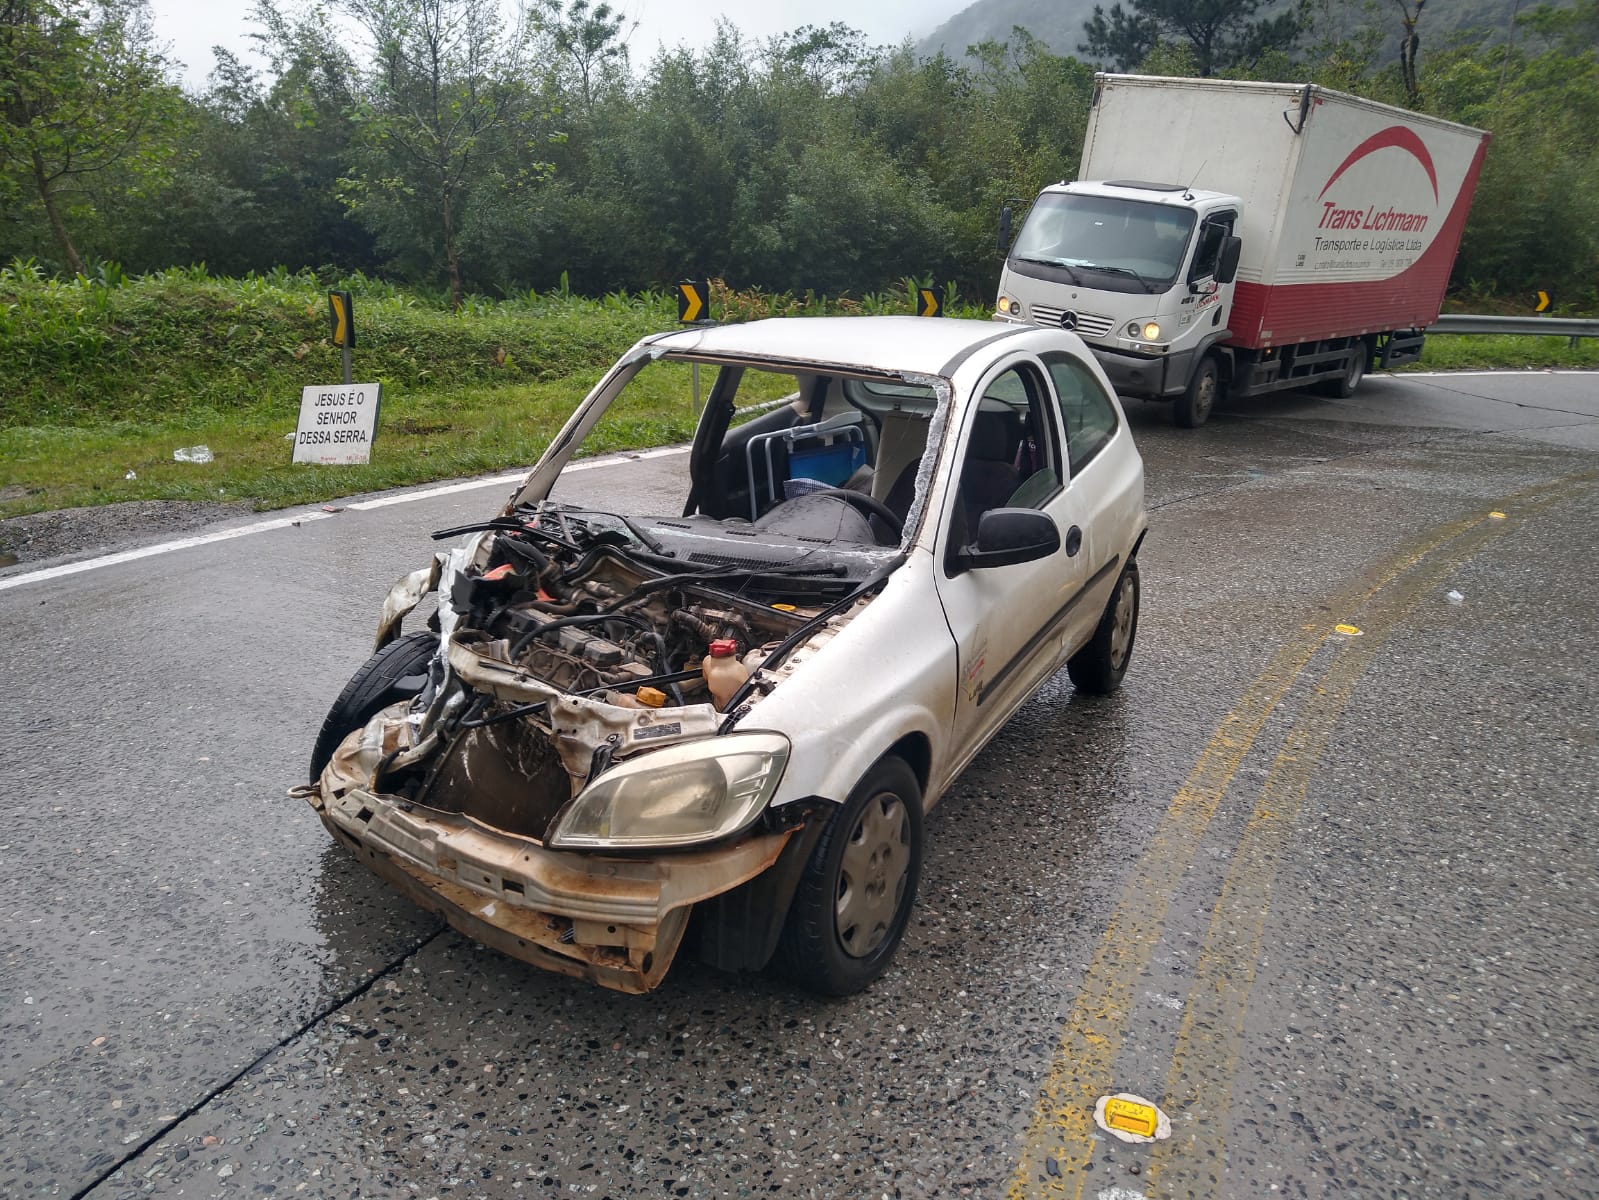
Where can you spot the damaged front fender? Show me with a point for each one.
(404, 597)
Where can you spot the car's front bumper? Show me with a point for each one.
(614, 921)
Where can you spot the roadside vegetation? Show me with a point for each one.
(102, 379)
(510, 201)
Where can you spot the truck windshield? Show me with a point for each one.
(1144, 242)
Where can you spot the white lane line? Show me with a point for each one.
(313, 514)
(448, 489)
(1506, 372)
(123, 556)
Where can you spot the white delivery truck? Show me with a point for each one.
(1244, 237)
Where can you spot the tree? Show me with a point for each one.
(256, 184)
(446, 109)
(1222, 33)
(1409, 47)
(587, 39)
(82, 99)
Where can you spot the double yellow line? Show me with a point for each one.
(1061, 1137)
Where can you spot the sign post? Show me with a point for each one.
(693, 296)
(341, 314)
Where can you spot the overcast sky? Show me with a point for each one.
(192, 27)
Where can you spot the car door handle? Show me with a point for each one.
(1074, 540)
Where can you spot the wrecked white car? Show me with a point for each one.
(706, 707)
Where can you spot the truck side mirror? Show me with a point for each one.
(1227, 262)
(1003, 242)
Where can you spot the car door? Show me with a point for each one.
(1011, 624)
(1104, 479)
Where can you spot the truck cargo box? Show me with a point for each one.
(1353, 210)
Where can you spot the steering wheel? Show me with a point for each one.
(867, 506)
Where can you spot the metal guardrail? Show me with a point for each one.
(1572, 327)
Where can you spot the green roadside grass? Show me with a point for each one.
(1492, 352)
(101, 382)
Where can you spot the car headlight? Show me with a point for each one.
(680, 796)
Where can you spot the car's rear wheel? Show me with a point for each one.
(397, 671)
(855, 897)
(1099, 666)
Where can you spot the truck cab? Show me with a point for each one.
(1143, 272)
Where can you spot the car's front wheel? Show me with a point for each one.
(855, 897)
(395, 672)
(1099, 666)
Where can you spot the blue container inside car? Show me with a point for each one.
(827, 465)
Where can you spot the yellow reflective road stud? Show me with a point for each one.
(1130, 1117)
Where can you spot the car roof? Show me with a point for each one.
(874, 345)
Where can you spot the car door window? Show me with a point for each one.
(1086, 411)
(1012, 456)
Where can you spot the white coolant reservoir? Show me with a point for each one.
(723, 672)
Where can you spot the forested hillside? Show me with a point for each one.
(1059, 24)
(443, 148)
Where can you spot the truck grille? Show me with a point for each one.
(1086, 324)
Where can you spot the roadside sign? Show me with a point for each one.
(693, 296)
(341, 314)
(1543, 302)
(337, 423)
(930, 306)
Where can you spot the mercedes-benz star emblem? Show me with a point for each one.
(1068, 320)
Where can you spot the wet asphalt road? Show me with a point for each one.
(1331, 900)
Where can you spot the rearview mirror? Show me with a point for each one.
(1227, 264)
(1003, 242)
(1006, 536)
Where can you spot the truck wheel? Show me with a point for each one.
(398, 670)
(1344, 386)
(1194, 405)
(855, 897)
(1099, 666)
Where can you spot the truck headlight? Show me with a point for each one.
(1009, 307)
(1147, 331)
(681, 796)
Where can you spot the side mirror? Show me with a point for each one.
(1227, 264)
(1002, 244)
(1006, 536)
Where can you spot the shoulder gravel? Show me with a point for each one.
(75, 533)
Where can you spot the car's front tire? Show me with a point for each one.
(395, 672)
(855, 897)
(1099, 666)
